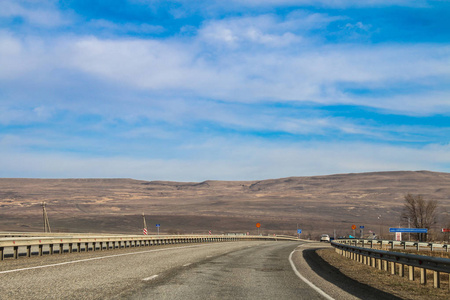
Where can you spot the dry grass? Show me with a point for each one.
(382, 280)
(427, 253)
(318, 204)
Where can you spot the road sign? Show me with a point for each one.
(145, 231)
(353, 227)
(258, 225)
(299, 231)
(445, 229)
(158, 225)
(361, 227)
(409, 230)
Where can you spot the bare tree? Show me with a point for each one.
(420, 213)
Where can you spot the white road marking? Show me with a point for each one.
(150, 278)
(306, 280)
(96, 258)
(186, 265)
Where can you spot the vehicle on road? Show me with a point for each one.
(325, 238)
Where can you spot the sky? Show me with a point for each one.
(223, 90)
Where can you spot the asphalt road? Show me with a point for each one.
(262, 272)
(227, 270)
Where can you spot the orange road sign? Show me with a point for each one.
(258, 225)
(353, 227)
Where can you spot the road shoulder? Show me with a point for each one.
(330, 279)
(382, 280)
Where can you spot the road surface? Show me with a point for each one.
(226, 270)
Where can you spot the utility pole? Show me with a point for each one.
(46, 222)
(145, 225)
(379, 234)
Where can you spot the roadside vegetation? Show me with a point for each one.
(393, 284)
(419, 213)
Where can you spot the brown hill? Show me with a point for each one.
(317, 204)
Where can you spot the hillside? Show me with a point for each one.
(317, 204)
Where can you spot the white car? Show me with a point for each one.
(325, 238)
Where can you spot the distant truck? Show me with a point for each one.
(325, 238)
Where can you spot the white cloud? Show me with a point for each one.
(230, 160)
(333, 3)
(180, 69)
(40, 13)
(263, 30)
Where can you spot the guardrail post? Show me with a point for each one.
(2, 253)
(379, 263)
(101, 246)
(401, 270)
(78, 247)
(411, 273)
(436, 279)
(61, 248)
(28, 251)
(417, 246)
(70, 247)
(392, 268)
(16, 252)
(51, 249)
(94, 246)
(41, 250)
(385, 265)
(86, 247)
(423, 276)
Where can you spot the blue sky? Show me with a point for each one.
(226, 90)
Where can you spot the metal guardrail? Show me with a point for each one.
(39, 245)
(418, 246)
(395, 262)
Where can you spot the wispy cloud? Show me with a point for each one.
(217, 90)
(38, 13)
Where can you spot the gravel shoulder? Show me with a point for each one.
(330, 279)
(395, 285)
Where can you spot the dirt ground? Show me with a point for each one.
(382, 280)
(316, 204)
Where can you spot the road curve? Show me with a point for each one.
(262, 272)
(226, 270)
